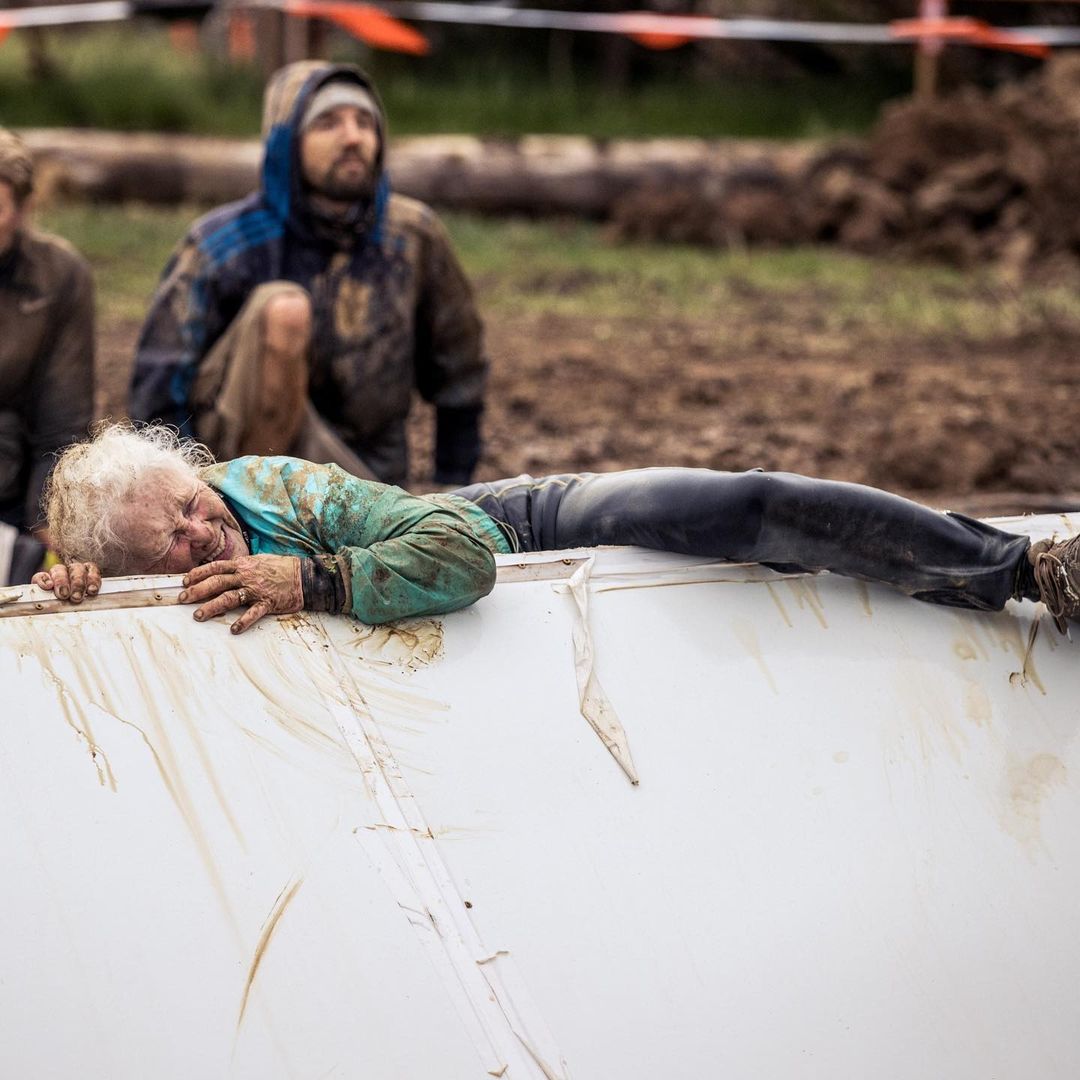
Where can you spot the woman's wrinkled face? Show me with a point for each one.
(175, 522)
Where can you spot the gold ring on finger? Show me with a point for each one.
(242, 595)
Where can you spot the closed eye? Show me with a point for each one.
(178, 534)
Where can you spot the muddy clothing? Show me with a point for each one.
(21, 556)
(381, 553)
(369, 549)
(46, 365)
(393, 311)
(226, 391)
(787, 522)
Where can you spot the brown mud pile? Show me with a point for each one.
(978, 177)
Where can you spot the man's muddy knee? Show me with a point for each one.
(287, 321)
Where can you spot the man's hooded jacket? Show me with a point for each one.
(392, 307)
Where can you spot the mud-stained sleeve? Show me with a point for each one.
(181, 323)
(62, 401)
(451, 366)
(403, 555)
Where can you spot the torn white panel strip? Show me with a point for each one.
(622, 566)
(506, 1027)
(145, 590)
(21, 606)
(688, 576)
(594, 704)
(7, 551)
(557, 570)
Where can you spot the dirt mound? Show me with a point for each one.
(974, 178)
(751, 205)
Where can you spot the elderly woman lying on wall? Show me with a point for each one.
(275, 535)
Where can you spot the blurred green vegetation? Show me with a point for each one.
(569, 269)
(127, 247)
(126, 79)
(508, 102)
(807, 108)
(131, 78)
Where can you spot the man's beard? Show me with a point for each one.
(343, 188)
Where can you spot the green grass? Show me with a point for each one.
(127, 247)
(130, 78)
(570, 269)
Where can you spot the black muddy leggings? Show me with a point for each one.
(781, 520)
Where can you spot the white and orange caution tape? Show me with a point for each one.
(665, 31)
(966, 31)
(381, 26)
(65, 14)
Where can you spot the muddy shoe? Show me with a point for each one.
(1056, 568)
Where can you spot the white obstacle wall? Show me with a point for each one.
(326, 850)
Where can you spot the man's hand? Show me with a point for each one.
(70, 581)
(265, 584)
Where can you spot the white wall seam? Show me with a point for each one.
(507, 1029)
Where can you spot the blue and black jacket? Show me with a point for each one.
(393, 310)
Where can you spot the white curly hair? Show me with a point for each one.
(93, 480)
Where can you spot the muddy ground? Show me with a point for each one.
(988, 428)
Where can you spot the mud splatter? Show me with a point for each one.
(1004, 633)
(408, 644)
(1027, 786)
(807, 596)
(291, 720)
(161, 664)
(977, 704)
(964, 650)
(1027, 672)
(967, 644)
(863, 591)
(74, 715)
(924, 722)
(283, 900)
(747, 636)
(779, 603)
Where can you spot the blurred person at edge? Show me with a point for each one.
(300, 319)
(46, 361)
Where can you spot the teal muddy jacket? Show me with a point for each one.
(397, 554)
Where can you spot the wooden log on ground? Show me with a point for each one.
(532, 175)
(113, 167)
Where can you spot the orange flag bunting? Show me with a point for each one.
(969, 32)
(658, 39)
(369, 24)
(652, 40)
